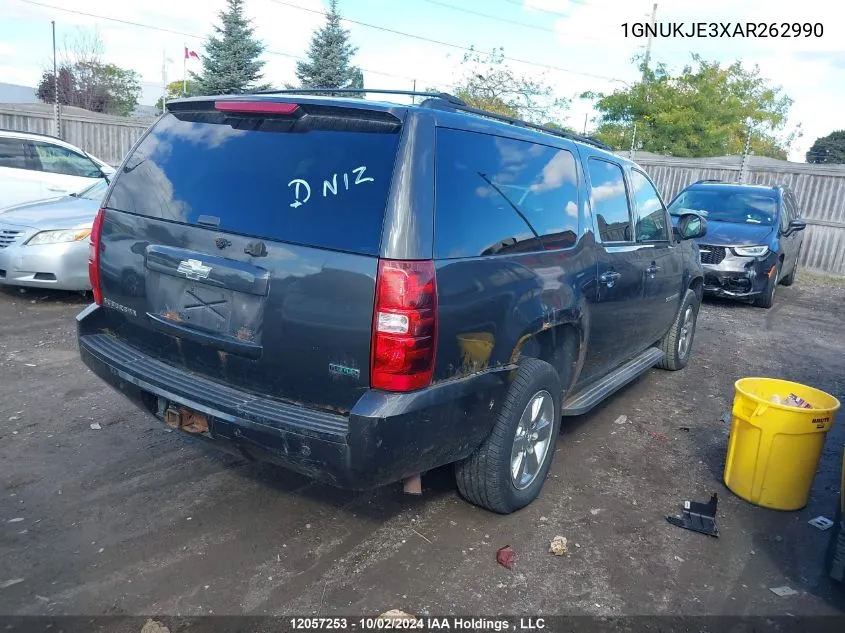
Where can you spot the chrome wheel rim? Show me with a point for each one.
(532, 440)
(687, 329)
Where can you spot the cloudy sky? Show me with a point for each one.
(576, 45)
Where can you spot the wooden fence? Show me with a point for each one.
(108, 138)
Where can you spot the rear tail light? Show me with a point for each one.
(94, 258)
(256, 107)
(404, 325)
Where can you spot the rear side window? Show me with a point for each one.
(609, 200)
(323, 185)
(13, 153)
(60, 160)
(497, 196)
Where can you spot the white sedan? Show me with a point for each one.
(36, 167)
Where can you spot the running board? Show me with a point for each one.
(592, 394)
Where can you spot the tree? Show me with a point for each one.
(86, 81)
(178, 89)
(231, 64)
(490, 84)
(330, 53)
(701, 111)
(828, 149)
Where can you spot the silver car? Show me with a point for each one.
(45, 244)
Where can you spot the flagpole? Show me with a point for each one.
(163, 78)
(185, 72)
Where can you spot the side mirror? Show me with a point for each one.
(797, 225)
(691, 226)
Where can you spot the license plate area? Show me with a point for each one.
(220, 312)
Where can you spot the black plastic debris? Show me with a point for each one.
(698, 517)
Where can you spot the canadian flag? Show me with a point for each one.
(190, 53)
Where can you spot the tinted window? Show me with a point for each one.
(496, 195)
(651, 225)
(724, 204)
(609, 200)
(307, 184)
(13, 153)
(59, 160)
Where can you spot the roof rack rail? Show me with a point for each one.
(704, 180)
(521, 123)
(44, 134)
(445, 96)
(444, 100)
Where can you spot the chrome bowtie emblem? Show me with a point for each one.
(193, 269)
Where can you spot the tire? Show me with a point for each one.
(676, 345)
(485, 478)
(790, 278)
(767, 299)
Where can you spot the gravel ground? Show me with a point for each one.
(130, 518)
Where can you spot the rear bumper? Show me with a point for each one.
(738, 277)
(385, 437)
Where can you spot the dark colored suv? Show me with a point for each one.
(364, 291)
(753, 238)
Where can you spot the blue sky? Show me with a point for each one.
(583, 39)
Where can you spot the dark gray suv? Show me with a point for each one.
(364, 291)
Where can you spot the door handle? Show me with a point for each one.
(59, 189)
(652, 270)
(610, 278)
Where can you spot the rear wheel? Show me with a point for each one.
(767, 299)
(507, 471)
(677, 343)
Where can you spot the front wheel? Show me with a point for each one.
(789, 279)
(767, 299)
(508, 470)
(677, 343)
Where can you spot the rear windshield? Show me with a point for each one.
(726, 205)
(306, 184)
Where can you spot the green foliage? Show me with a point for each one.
(121, 88)
(490, 84)
(828, 149)
(701, 111)
(330, 55)
(93, 85)
(175, 90)
(231, 63)
(559, 127)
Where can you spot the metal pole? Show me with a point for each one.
(414, 97)
(633, 140)
(648, 44)
(185, 72)
(743, 169)
(585, 122)
(56, 120)
(163, 78)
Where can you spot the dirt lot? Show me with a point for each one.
(134, 519)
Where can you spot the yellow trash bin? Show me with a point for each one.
(774, 449)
